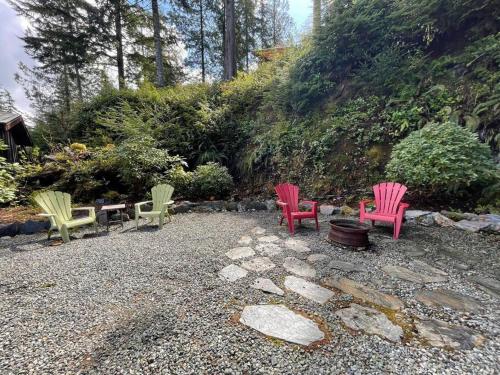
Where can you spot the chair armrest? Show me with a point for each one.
(46, 215)
(313, 203)
(168, 203)
(138, 205)
(281, 204)
(404, 205)
(83, 209)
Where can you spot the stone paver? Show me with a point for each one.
(408, 275)
(472, 226)
(424, 267)
(280, 322)
(245, 241)
(308, 290)
(313, 258)
(488, 284)
(259, 264)
(232, 273)
(443, 335)
(268, 239)
(297, 245)
(299, 267)
(371, 321)
(269, 249)
(240, 252)
(450, 299)
(266, 285)
(258, 231)
(346, 266)
(364, 293)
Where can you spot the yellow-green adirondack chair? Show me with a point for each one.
(57, 207)
(161, 195)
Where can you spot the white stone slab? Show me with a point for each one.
(245, 241)
(280, 322)
(268, 239)
(240, 252)
(307, 289)
(299, 267)
(259, 264)
(232, 273)
(269, 249)
(266, 285)
(297, 245)
(346, 266)
(371, 321)
(408, 275)
(258, 231)
(314, 258)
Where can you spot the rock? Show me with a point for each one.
(259, 264)
(266, 285)
(449, 299)
(297, 245)
(364, 293)
(280, 322)
(490, 217)
(442, 220)
(472, 226)
(10, 230)
(299, 267)
(422, 266)
(488, 284)
(326, 209)
(268, 239)
(183, 207)
(408, 275)
(455, 216)
(443, 335)
(245, 240)
(214, 205)
(270, 204)
(240, 252)
(269, 249)
(313, 258)
(31, 227)
(258, 231)
(231, 206)
(307, 289)
(411, 215)
(251, 205)
(371, 321)
(232, 273)
(346, 266)
(426, 220)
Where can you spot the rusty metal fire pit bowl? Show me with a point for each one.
(349, 232)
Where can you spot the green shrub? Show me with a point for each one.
(441, 158)
(8, 187)
(181, 181)
(211, 180)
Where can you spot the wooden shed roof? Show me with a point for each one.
(14, 123)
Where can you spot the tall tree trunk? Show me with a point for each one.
(229, 40)
(316, 16)
(202, 41)
(275, 39)
(78, 83)
(67, 93)
(247, 39)
(160, 74)
(119, 44)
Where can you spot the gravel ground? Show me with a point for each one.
(150, 301)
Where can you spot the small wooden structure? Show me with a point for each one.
(14, 133)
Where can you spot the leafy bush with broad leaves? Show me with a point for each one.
(442, 158)
(181, 180)
(8, 186)
(211, 181)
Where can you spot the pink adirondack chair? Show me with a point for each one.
(388, 205)
(288, 200)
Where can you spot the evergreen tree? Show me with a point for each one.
(229, 40)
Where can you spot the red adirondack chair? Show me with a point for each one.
(388, 205)
(288, 200)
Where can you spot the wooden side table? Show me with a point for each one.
(118, 208)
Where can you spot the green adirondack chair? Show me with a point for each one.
(57, 207)
(161, 195)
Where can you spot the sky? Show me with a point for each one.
(12, 27)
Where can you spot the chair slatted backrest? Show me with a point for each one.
(160, 195)
(55, 203)
(289, 194)
(388, 195)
